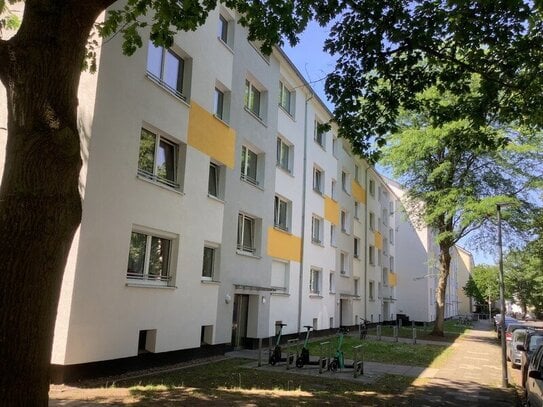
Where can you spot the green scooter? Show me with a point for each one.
(339, 358)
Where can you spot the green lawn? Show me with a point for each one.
(385, 352)
(452, 331)
(231, 383)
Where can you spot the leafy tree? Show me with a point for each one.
(40, 204)
(523, 275)
(413, 45)
(483, 284)
(453, 182)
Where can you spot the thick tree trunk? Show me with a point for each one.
(444, 268)
(40, 205)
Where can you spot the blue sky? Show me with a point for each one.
(315, 64)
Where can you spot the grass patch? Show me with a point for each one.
(385, 352)
(229, 382)
(452, 331)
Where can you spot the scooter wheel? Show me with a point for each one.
(299, 362)
(333, 366)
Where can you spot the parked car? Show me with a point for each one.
(513, 354)
(531, 341)
(511, 328)
(534, 380)
(508, 321)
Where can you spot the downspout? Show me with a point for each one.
(366, 246)
(304, 188)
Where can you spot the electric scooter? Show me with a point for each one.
(275, 355)
(303, 358)
(339, 359)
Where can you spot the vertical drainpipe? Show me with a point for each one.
(304, 188)
(366, 246)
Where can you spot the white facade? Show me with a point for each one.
(211, 211)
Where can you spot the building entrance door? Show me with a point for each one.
(239, 320)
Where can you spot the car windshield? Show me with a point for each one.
(535, 341)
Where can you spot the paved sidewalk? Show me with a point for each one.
(471, 376)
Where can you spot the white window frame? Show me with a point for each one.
(318, 180)
(371, 222)
(385, 277)
(371, 290)
(315, 283)
(251, 249)
(253, 98)
(371, 255)
(332, 282)
(319, 136)
(316, 230)
(391, 263)
(163, 279)
(333, 235)
(391, 236)
(345, 182)
(356, 210)
(217, 170)
(344, 221)
(285, 270)
(153, 175)
(356, 287)
(179, 90)
(356, 249)
(372, 187)
(214, 263)
(283, 148)
(344, 263)
(286, 104)
(281, 205)
(245, 160)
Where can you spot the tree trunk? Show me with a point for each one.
(444, 268)
(40, 205)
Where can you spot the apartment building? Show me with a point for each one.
(215, 205)
(419, 253)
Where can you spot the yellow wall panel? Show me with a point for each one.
(331, 210)
(359, 194)
(392, 279)
(211, 136)
(283, 245)
(378, 240)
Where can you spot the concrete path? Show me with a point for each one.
(471, 376)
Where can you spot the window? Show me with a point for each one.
(334, 190)
(344, 222)
(316, 230)
(344, 181)
(372, 187)
(385, 277)
(356, 288)
(218, 107)
(391, 236)
(314, 281)
(391, 263)
(252, 98)
(285, 98)
(371, 255)
(356, 252)
(213, 182)
(319, 133)
(371, 289)
(379, 228)
(379, 257)
(317, 180)
(167, 68)
(210, 263)
(385, 246)
(335, 144)
(332, 283)
(246, 234)
(356, 210)
(279, 276)
(356, 170)
(385, 217)
(283, 154)
(223, 29)
(249, 164)
(149, 258)
(158, 159)
(372, 221)
(343, 262)
(281, 213)
(333, 235)
(379, 293)
(391, 207)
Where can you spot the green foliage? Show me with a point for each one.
(269, 22)
(524, 277)
(483, 283)
(389, 52)
(8, 20)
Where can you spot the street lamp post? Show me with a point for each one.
(502, 297)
